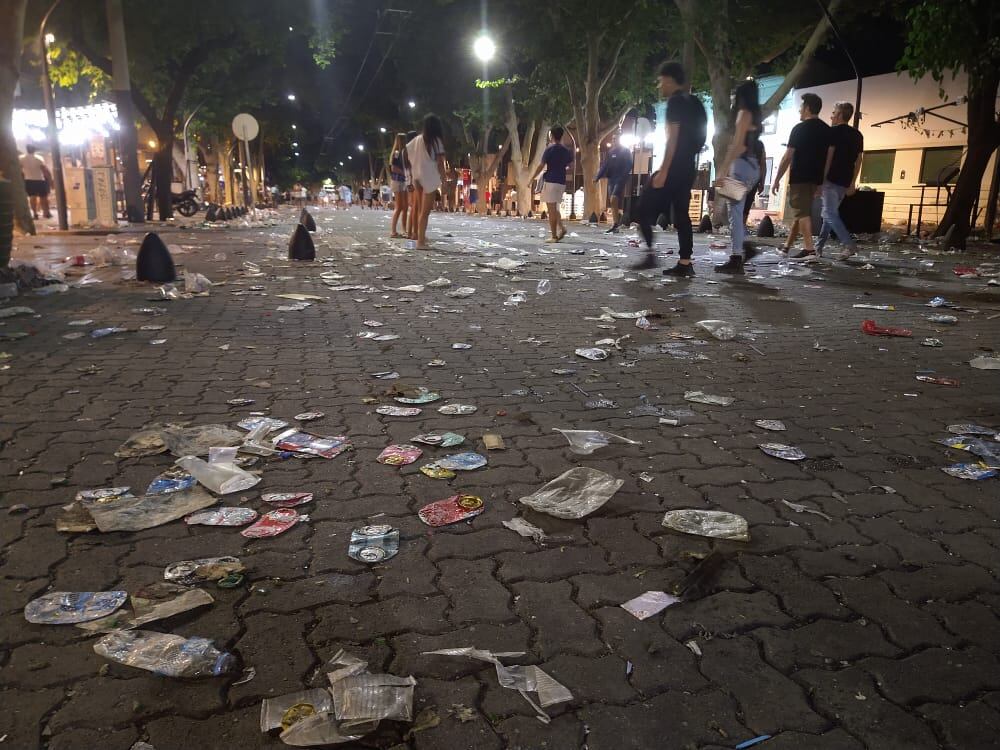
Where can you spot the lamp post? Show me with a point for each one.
(50, 110)
(187, 153)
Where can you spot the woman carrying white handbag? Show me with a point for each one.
(740, 170)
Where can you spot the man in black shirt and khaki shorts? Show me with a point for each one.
(806, 155)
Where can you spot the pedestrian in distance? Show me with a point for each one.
(397, 173)
(668, 191)
(37, 182)
(412, 220)
(805, 162)
(739, 171)
(616, 169)
(556, 159)
(427, 159)
(843, 165)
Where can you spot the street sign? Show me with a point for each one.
(245, 127)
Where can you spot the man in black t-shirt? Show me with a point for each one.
(806, 155)
(669, 188)
(843, 165)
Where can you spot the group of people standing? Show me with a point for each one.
(417, 170)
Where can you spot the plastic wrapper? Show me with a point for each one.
(982, 362)
(700, 397)
(711, 523)
(461, 345)
(399, 455)
(226, 516)
(973, 471)
(128, 513)
(202, 570)
(165, 654)
(585, 442)
(451, 510)
(721, 329)
(468, 461)
(974, 429)
(442, 439)
(574, 494)
(254, 423)
(525, 529)
(220, 478)
(304, 442)
(594, 354)
(461, 293)
(780, 450)
(70, 607)
(987, 451)
(942, 319)
(457, 409)
(648, 604)
(874, 329)
(272, 523)
(436, 472)
(367, 697)
(774, 425)
(373, 544)
(196, 441)
(322, 729)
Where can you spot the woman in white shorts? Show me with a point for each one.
(397, 171)
(556, 159)
(426, 153)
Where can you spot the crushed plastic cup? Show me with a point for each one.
(220, 478)
(373, 544)
(594, 354)
(399, 455)
(225, 516)
(442, 439)
(780, 450)
(514, 300)
(272, 523)
(398, 411)
(202, 570)
(71, 607)
(165, 654)
(287, 499)
(574, 494)
(721, 329)
(267, 424)
(451, 510)
(711, 523)
(585, 442)
(196, 441)
(468, 461)
(372, 697)
(544, 287)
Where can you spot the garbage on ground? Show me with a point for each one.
(10, 312)
(219, 477)
(129, 513)
(225, 516)
(721, 329)
(202, 570)
(974, 429)
(287, 499)
(937, 380)
(711, 523)
(398, 411)
(265, 424)
(196, 441)
(157, 601)
(146, 442)
(442, 439)
(457, 409)
(451, 510)
(865, 306)
(601, 403)
(780, 450)
(272, 523)
(165, 654)
(874, 329)
(544, 287)
(585, 442)
(932, 342)
(697, 583)
(434, 471)
(438, 283)
(468, 461)
(399, 455)
(574, 494)
(100, 333)
(196, 283)
(524, 679)
(753, 741)
(594, 354)
(71, 607)
(988, 452)
(948, 320)
(461, 293)
(984, 362)
(648, 604)
(298, 441)
(774, 425)
(975, 471)
(799, 508)
(493, 442)
(309, 416)
(625, 315)
(420, 396)
(525, 529)
(700, 397)
(372, 544)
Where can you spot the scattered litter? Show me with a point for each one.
(948, 320)
(309, 416)
(196, 441)
(10, 312)
(165, 654)
(129, 513)
(226, 516)
(436, 472)
(597, 355)
(70, 607)
(451, 510)
(461, 293)
(220, 477)
(457, 409)
(601, 403)
(240, 401)
(646, 477)
(461, 346)
(202, 570)
(873, 329)
(398, 411)
(585, 442)
(970, 471)
(931, 342)
(255, 423)
(799, 508)
(442, 439)
(752, 742)
(720, 329)
(146, 442)
(887, 308)
(771, 424)
(693, 647)
(386, 375)
(422, 396)
(780, 450)
(312, 445)
(574, 494)
(983, 362)
(436, 363)
(525, 529)
(438, 283)
(399, 455)
(100, 333)
(973, 429)
(272, 523)
(711, 523)
(648, 604)
(937, 380)
(468, 461)
(248, 674)
(699, 397)
(372, 544)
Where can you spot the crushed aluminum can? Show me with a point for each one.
(442, 439)
(451, 510)
(373, 544)
(272, 523)
(601, 403)
(309, 416)
(398, 411)
(937, 380)
(775, 425)
(287, 499)
(468, 461)
(594, 354)
(779, 450)
(932, 342)
(437, 472)
(457, 409)
(399, 455)
(202, 570)
(423, 397)
(226, 516)
(313, 445)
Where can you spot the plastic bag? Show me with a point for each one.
(196, 441)
(195, 283)
(574, 494)
(128, 513)
(720, 329)
(712, 523)
(585, 442)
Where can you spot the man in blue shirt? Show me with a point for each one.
(617, 168)
(556, 159)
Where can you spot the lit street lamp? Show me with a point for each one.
(411, 104)
(361, 147)
(381, 130)
(291, 97)
(484, 48)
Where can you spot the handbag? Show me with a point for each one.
(731, 189)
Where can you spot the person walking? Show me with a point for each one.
(414, 195)
(397, 174)
(556, 159)
(843, 165)
(616, 169)
(37, 181)
(740, 171)
(669, 188)
(427, 159)
(805, 162)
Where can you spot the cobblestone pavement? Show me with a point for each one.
(873, 625)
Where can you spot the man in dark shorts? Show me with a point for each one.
(843, 165)
(36, 182)
(806, 155)
(669, 188)
(617, 168)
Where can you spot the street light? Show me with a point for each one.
(361, 147)
(381, 130)
(341, 163)
(296, 153)
(295, 143)
(294, 126)
(350, 158)
(484, 48)
(291, 97)
(411, 104)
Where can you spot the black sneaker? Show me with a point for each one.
(732, 266)
(684, 271)
(646, 264)
(749, 252)
(613, 230)
(803, 253)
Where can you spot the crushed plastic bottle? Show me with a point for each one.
(165, 654)
(585, 442)
(544, 286)
(220, 478)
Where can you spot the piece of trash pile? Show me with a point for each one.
(350, 708)
(977, 440)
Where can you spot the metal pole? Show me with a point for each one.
(50, 109)
(850, 59)
(187, 153)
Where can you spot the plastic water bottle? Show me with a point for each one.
(165, 654)
(544, 286)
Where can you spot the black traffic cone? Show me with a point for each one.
(306, 220)
(153, 263)
(706, 224)
(211, 212)
(545, 215)
(593, 217)
(300, 246)
(766, 227)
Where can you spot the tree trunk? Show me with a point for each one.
(984, 138)
(590, 162)
(11, 38)
(164, 175)
(721, 85)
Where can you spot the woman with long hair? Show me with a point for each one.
(426, 153)
(740, 169)
(397, 174)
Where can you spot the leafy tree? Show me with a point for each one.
(11, 36)
(946, 36)
(477, 125)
